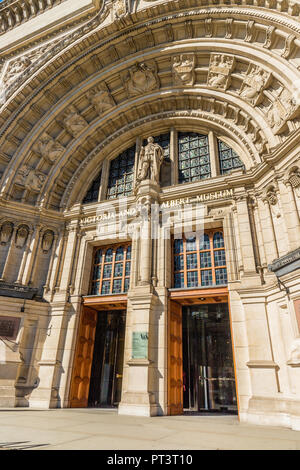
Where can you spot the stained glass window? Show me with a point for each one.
(111, 270)
(193, 157)
(93, 191)
(121, 174)
(229, 159)
(200, 261)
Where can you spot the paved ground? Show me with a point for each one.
(104, 429)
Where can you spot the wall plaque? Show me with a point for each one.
(9, 327)
(140, 345)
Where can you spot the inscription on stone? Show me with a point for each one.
(9, 327)
(139, 345)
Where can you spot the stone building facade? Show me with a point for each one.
(94, 309)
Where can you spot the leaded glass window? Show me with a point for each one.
(121, 174)
(193, 157)
(228, 158)
(93, 191)
(200, 261)
(111, 270)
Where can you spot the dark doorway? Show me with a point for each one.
(107, 367)
(208, 371)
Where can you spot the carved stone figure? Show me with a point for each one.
(21, 236)
(15, 69)
(141, 78)
(184, 69)
(119, 8)
(281, 110)
(101, 100)
(150, 160)
(32, 179)
(73, 122)
(47, 241)
(49, 149)
(6, 233)
(272, 199)
(255, 81)
(220, 67)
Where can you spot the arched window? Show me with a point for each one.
(200, 261)
(193, 157)
(121, 173)
(228, 158)
(111, 270)
(93, 191)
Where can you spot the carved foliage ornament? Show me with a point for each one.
(32, 179)
(220, 68)
(184, 69)
(141, 78)
(6, 233)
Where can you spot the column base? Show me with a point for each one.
(266, 411)
(139, 404)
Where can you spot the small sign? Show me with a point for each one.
(140, 345)
(9, 327)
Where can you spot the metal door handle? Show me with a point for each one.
(119, 376)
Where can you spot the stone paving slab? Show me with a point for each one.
(94, 429)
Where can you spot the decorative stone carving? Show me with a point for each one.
(73, 122)
(150, 160)
(6, 233)
(101, 99)
(220, 67)
(295, 353)
(15, 69)
(282, 110)
(49, 149)
(272, 199)
(255, 81)
(21, 236)
(141, 78)
(184, 69)
(294, 179)
(119, 8)
(32, 179)
(47, 241)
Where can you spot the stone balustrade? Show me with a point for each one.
(16, 12)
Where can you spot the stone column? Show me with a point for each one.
(25, 257)
(290, 213)
(35, 241)
(9, 254)
(269, 233)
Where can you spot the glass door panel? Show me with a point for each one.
(209, 383)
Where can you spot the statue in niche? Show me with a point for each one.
(47, 241)
(255, 81)
(73, 122)
(6, 233)
(184, 69)
(21, 236)
(101, 100)
(150, 160)
(32, 179)
(141, 78)
(220, 67)
(49, 149)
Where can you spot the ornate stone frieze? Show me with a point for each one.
(49, 149)
(30, 178)
(73, 122)
(101, 99)
(282, 110)
(254, 83)
(6, 233)
(183, 68)
(220, 68)
(141, 78)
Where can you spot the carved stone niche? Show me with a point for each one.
(73, 122)
(101, 99)
(6, 233)
(47, 241)
(254, 83)
(183, 68)
(220, 68)
(21, 236)
(283, 109)
(141, 78)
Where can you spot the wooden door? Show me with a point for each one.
(175, 371)
(79, 392)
